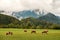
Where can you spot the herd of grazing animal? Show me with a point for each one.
(33, 31)
(9, 33)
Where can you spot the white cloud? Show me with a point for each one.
(10, 5)
(20, 18)
(23, 4)
(17, 5)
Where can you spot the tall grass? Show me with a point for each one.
(19, 34)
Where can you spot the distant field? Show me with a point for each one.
(19, 34)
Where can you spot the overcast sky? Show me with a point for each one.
(18, 5)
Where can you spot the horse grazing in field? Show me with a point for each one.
(33, 31)
(45, 31)
(9, 33)
(25, 30)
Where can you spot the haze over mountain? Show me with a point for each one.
(28, 13)
(33, 13)
(20, 5)
(50, 18)
(45, 21)
(45, 16)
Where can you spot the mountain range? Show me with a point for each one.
(50, 18)
(27, 14)
(37, 14)
(31, 20)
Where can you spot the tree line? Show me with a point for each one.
(28, 23)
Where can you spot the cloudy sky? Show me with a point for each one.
(18, 5)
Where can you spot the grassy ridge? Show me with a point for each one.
(18, 34)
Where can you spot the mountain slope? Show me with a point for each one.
(50, 18)
(4, 19)
(11, 22)
(27, 14)
(35, 23)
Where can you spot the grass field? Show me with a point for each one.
(19, 34)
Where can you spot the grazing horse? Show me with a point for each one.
(25, 30)
(9, 33)
(33, 31)
(45, 31)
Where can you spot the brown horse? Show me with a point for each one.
(45, 31)
(25, 30)
(9, 33)
(33, 31)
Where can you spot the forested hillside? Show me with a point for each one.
(28, 23)
(6, 21)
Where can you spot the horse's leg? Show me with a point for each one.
(11, 33)
(42, 33)
(31, 32)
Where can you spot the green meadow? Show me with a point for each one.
(19, 34)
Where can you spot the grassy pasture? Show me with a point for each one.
(19, 34)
